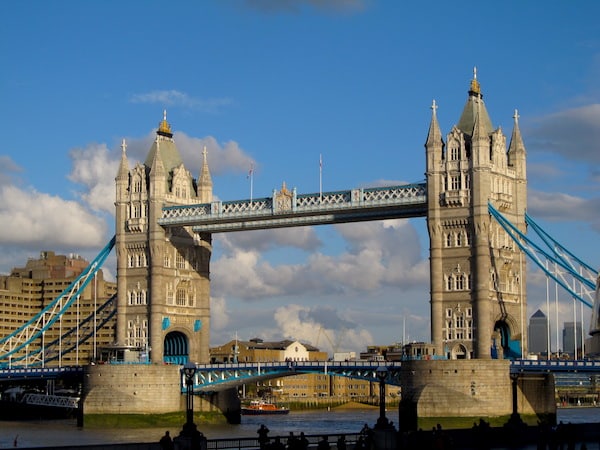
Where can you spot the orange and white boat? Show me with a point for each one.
(259, 407)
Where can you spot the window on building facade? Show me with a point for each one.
(460, 282)
(181, 299)
(454, 153)
(449, 283)
(455, 182)
(179, 261)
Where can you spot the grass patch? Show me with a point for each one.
(149, 420)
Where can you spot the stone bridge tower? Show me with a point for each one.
(478, 289)
(163, 281)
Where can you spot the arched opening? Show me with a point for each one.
(176, 348)
(460, 352)
(511, 349)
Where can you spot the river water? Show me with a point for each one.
(65, 432)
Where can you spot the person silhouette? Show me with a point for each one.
(166, 443)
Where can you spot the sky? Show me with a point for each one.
(278, 85)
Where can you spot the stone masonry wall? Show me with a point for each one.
(131, 389)
(454, 388)
(470, 388)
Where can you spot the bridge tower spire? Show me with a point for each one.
(478, 296)
(163, 304)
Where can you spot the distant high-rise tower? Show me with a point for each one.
(572, 338)
(162, 276)
(538, 333)
(477, 272)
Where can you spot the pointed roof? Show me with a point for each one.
(157, 167)
(474, 107)
(169, 154)
(434, 136)
(204, 179)
(538, 314)
(123, 171)
(516, 140)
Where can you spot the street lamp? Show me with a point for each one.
(189, 370)
(189, 438)
(382, 374)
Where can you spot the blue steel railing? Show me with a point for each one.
(212, 377)
(554, 365)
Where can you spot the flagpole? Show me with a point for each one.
(251, 174)
(320, 178)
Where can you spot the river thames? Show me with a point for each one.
(65, 432)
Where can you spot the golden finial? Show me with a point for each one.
(474, 83)
(164, 126)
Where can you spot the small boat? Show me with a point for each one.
(260, 407)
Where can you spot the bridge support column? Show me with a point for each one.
(228, 402)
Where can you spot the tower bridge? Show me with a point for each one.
(474, 199)
(165, 219)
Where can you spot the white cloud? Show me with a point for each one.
(219, 315)
(322, 327)
(560, 207)
(304, 238)
(36, 220)
(7, 169)
(174, 97)
(572, 133)
(95, 168)
(222, 158)
(379, 254)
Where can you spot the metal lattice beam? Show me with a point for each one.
(355, 205)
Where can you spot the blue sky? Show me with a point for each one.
(275, 84)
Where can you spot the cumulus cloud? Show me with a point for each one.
(95, 168)
(558, 206)
(219, 315)
(572, 133)
(8, 169)
(222, 158)
(177, 98)
(37, 220)
(321, 326)
(304, 238)
(379, 254)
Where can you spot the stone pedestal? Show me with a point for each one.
(384, 439)
(190, 439)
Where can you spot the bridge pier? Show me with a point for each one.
(471, 388)
(147, 389)
(228, 402)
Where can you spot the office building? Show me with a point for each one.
(572, 339)
(29, 289)
(538, 333)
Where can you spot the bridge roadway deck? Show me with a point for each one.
(287, 209)
(212, 377)
(225, 375)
